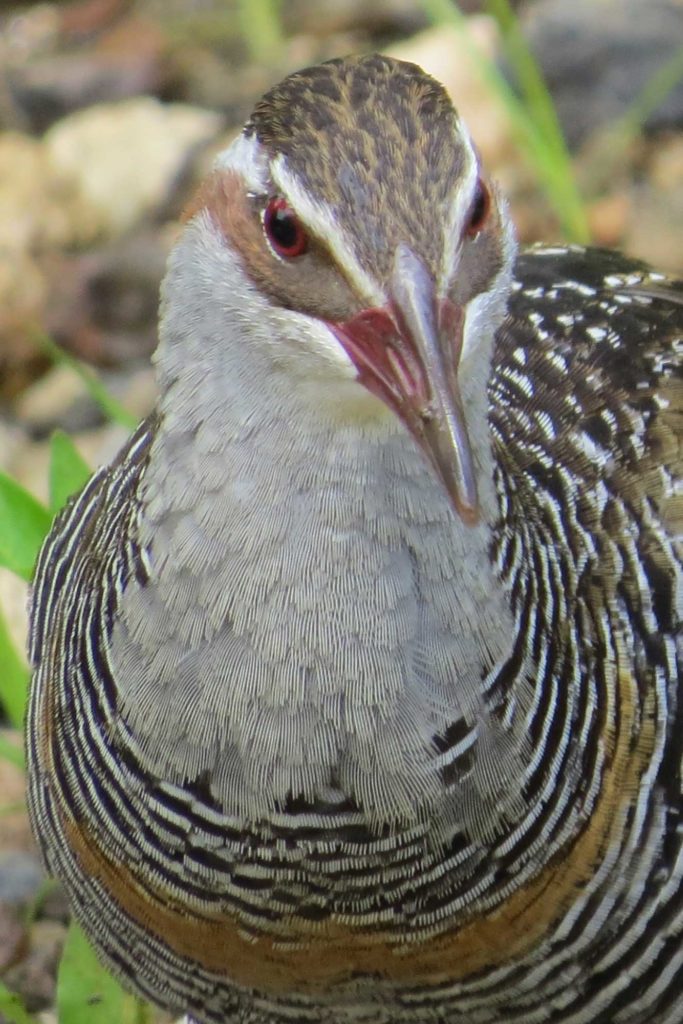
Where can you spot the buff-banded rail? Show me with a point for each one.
(357, 671)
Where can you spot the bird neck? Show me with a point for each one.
(333, 615)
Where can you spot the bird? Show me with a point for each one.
(356, 673)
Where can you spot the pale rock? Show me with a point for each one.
(124, 157)
(34, 198)
(39, 211)
(44, 403)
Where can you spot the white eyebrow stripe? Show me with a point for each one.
(319, 216)
(460, 208)
(247, 157)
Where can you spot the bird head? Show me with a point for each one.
(358, 218)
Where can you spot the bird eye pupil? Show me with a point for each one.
(283, 229)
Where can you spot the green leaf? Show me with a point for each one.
(14, 677)
(23, 525)
(12, 1010)
(68, 469)
(87, 993)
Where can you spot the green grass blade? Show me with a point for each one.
(14, 676)
(112, 409)
(14, 755)
(655, 92)
(87, 993)
(23, 525)
(557, 168)
(542, 143)
(35, 905)
(18, 806)
(68, 469)
(536, 98)
(12, 1009)
(260, 27)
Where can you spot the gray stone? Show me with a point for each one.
(598, 57)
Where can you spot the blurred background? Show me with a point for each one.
(112, 110)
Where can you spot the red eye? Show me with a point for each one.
(283, 229)
(480, 210)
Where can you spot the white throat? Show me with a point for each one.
(313, 587)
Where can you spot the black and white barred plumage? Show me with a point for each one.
(566, 904)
